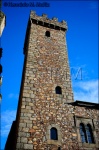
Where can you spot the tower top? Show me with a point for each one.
(45, 21)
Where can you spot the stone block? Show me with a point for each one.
(23, 140)
(28, 146)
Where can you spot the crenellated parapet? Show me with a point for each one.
(45, 21)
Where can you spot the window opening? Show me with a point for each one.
(53, 134)
(89, 134)
(83, 133)
(47, 34)
(58, 90)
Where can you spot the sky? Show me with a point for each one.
(82, 42)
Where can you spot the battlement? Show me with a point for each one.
(45, 21)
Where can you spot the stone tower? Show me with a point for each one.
(45, 86)
(47, 116)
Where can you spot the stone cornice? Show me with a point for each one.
(50, 23)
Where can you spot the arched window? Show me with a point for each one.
(53, 134)
(89, 134)
(59, 148)
(47, 33)
(58, 90)
(83, 133)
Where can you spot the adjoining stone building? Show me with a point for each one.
(2, 22)
(48, 118)
(2, 26)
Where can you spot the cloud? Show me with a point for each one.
(12, 95)
(86, 91)
(7, 118)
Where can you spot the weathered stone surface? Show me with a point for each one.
(41, 108)
(24, 140)
(28, 146)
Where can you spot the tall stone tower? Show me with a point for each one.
(46, 85)
(47, 117)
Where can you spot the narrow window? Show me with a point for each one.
(53, 134)
(58, 90)
(47, 33)
(59, 148)
(83, 133)
(89, 134)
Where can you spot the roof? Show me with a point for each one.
(85, 104)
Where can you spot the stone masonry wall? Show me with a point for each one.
(46, 66)
(87, 115)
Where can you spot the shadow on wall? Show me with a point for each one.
(10, 144)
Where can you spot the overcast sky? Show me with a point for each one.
(82, 42)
